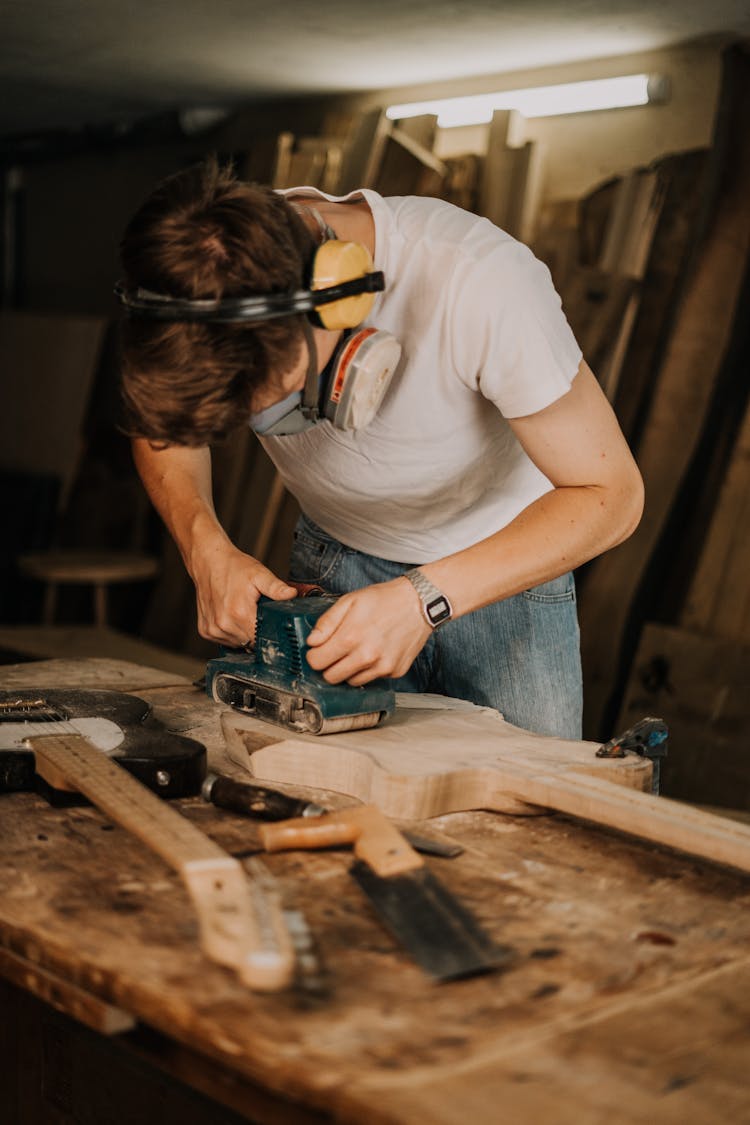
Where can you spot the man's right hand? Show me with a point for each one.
(228, 584)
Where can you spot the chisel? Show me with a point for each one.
(262, 803)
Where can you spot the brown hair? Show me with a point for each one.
(202, 233)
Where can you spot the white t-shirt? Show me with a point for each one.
(484, 339)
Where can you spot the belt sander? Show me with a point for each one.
(275, 682)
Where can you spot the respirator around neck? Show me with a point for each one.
(347, 393)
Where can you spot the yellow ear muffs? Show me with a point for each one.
(336, 262)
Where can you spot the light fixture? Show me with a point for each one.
(541, 101)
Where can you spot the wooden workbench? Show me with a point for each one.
(629, 999)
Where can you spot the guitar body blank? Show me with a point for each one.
(433, 756)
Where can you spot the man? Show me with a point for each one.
(451, 522)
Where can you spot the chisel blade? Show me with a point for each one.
(439, 932)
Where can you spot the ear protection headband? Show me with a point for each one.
(340, 295)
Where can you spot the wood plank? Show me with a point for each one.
(718, 599)
(626, 251)
(610, 370)
(510, 191)
(362, 135)
(94, 672)
(496, 188)
(85, 641)
(462, 179)
(594, 213)
(685, 535)
(601, 301)
(698, 684)
(312, 161)
(681, 189)
(595, 304)
(557, 241)
(421, 132)
(402, 162)
(632, 222)
(63, 996)
(528, 182)
(424, 155)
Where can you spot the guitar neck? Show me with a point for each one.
(656, 819)
(241, 923)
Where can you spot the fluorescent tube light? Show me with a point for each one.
(540, 101)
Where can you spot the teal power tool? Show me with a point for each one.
(274, 681)
(647, 738)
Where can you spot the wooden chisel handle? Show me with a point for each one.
(376, 840)
(269, 804)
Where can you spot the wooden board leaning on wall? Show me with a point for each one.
(695, 674)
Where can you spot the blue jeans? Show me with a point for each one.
(520, 655)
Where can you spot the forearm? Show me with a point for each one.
(228, 582)
(596, 502)
(178, 481)
(558, 532)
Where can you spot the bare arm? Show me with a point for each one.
(228, 582)
(595, 503)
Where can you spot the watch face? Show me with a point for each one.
(438, 610)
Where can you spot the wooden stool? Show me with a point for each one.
(99, 569)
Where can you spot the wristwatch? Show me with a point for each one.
(435, 606)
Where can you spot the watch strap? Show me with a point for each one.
(436, 608)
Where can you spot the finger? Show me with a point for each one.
(234, 630)
(267, 583)
(364, 677)
(344, 670)
(328, 623)
(340, 646)
(232, 639)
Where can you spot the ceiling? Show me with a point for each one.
(69, 63)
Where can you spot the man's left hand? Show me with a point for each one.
(368, 634)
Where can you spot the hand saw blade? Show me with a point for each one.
(438, 931)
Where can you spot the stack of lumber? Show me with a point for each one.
(675, 596)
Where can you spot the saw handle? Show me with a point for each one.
(375, 839)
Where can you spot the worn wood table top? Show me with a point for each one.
(628, 1001)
